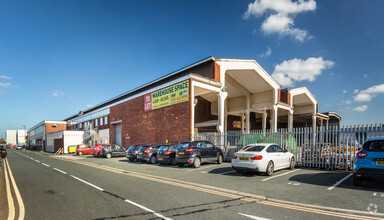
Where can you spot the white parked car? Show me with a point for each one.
(265, 158)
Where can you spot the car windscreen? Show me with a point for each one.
(183, 146)
(163, 148)
(256, 148)
(143, 148)
(134, 147)
(374, 146)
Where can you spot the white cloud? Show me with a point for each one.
(57, 94)
(296, 70)
(344, 91)
(365, 76)
(89, 106)
(4, 77)
(280, 16)
(266, 53)
(368, 94)
(362, 108)
(348, 102)
(356, 91)
(5, 85)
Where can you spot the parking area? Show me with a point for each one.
(311, 186)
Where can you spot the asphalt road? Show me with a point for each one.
(71, 187)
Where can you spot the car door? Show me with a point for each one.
(282, 159)
(212, 151)
(273, 155)
(202, 147)
(120, 151)
(88, 149)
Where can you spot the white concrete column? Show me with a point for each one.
(273, 120)
(290, 120)
(248, 112)
(314, 122)
(242, 122)
(221, 114)
(264, 120)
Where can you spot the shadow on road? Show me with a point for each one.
(328, 179)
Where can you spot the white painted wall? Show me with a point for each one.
(69, 138)
(11, 136)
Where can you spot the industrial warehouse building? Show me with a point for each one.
(212, 95)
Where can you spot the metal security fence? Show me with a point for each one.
(330, 147)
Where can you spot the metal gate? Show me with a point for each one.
(329, 148)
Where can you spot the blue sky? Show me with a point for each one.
(58, 57)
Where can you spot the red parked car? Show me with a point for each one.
(83, 149)
(96, 149)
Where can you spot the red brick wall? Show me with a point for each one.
(50, 129)
(172, 123)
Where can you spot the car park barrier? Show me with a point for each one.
(332, 147)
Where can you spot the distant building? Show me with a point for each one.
(37, 135)
(11, 136)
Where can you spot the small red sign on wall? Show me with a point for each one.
(147, 102)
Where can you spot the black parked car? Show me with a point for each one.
(131, 153)
(3, 151)
(197, 152)
(167, 154)
(148, 154)
(112, 150)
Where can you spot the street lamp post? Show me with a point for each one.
(25, 134)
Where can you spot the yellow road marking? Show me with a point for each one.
(11, 206)
(17, 193)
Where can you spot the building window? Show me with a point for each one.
(106, 120)
(96, 122)
(101, 121)
(53, 125)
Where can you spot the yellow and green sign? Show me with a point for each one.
(171, 95)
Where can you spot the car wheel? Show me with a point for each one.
(270, 168)
(131, 159)
(109, 155)
(292, 163)
(94, 155)
(219, 159)
(180, 164)
(98, 155)
(196, 162)
(153, 160)
(357, 181)
(80, 153)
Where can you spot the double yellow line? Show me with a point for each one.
(11, 205)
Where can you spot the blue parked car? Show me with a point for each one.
(369, 161)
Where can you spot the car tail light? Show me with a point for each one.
(361, 155)
(189, 151)
(167, 153)
(234, 157)
(257, 157)
(133, 151)
(147, 151)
